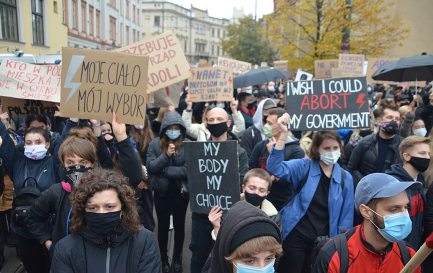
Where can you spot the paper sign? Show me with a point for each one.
(167, 62)
(27, 107)
(351, 65)
(323, 68)
(96, 83)
(236, 66)
(213, 174)
(373, 65)
(211, 84)
(29, 81)
(282, 65)
(328, 104)
(303, 76)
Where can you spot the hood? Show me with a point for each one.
(258, 116)
(399, 172)
(229, 228)
(172, 118)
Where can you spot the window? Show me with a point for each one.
(200, 47)
(38, 22)
(213, 50)
(91, 20)
(157, 21)
(213, 32)
(121, 34)
(138, 35)
(74, 14)
(133, 13)
(218, 31)
(121, 7)
(138, 16)
(127, 8)
(127, 35)
(113, 3)
(8, 20)
(112, 28)
(98, 23)
(133, 36)
(65, 12)
(83, 17)
(224, 33)
(218, 50)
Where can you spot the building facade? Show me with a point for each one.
(199, 33)
(32, 26)
(102, 24)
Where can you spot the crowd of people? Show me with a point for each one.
(79, 195)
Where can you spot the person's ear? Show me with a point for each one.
(406, 157)
(229, 123)
(47, 145)
(243, 187)
(366, 212)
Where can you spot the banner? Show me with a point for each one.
(96, 83)
(29, 81)
(323, 68)
(167, 62)
(328, 104)
(351, 65)
(238, 67)
(28, 107)
(210, 84)
(213, 174)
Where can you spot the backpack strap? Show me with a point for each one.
(340, 242)
(404, 252)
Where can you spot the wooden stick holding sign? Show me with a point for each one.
(425, 250)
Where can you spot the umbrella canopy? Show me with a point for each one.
(258, 76)
(416, 68)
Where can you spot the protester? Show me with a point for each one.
(255, 189)
(247, 107)
(428, 225)
(166, 166)
(372, 246)
(323, 196)
(250, 245)
(425, 112)
(377, 152)
(201, 240)
(418, 128)
(106, 234)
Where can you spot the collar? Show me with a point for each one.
(369, 247)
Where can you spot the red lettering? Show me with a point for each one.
(9, 64)
(305, 102)
(344, 95)
(314, 102)
(323, 98)
(334, 101)
(37, 68)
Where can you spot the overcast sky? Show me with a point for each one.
(224, 8)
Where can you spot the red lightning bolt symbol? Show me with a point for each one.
(360, 100)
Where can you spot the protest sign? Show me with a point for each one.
(236, 66)
(351, 65)
(213, 174)
(323, 68)
(328, 104)
(373, 65)
(210, 84)
(29, 81)
(16, 106)
(167, 62)
(303, 76)
(96, 83)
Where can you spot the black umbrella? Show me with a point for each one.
(415, 68)
(259, 76)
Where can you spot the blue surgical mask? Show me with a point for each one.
(172, 134)
(220, 105)
(35, 152)
(271, 88)
(242, 268)
(397, 226)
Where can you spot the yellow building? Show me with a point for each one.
(32, 26)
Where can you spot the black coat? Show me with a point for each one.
(86, 253)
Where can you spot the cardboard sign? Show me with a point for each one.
(27, 107)
(211, 84)
(303, 76)
(29, 81)
(328, 104)
(97, 83)
(351, 65)
(167, 62)
(238, 67)
(373, 65)
(282, 65)
(213, 175)
(323, 68)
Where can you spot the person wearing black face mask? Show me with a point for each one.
(415, 152)
(106, 233)
(255, 187)
(247, 107)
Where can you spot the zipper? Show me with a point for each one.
(39, 176)
(107, 261)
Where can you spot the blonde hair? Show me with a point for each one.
(410, 142)
(255, 246)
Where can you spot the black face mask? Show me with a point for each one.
(264, 119)
(254, 199)
(364, 133)
(251, 105)
(73, 173)
(391, 128)
(217, 129)
(102, 223)
(419, 163)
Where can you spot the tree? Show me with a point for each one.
(245, 42)
(308, 30)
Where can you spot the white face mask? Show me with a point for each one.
(220, 105)
(330, 158)
(420, 132)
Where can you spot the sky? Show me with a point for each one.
(224, 8)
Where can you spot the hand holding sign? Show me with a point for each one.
(282, 122)
(171, 150)
(188, 102)
(215, 216)
(119, 129)
(234, 106)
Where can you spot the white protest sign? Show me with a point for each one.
(236, 66)
(303, 76)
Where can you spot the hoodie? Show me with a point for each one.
(229, 229)
(416, 203)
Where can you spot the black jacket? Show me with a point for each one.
(416, 203)
(428, 222)
(55, 200)
(363, 159)
(425, 112)
(86, 252)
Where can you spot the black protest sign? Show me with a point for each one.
(213, 175)
(328, 104)
(28, 107)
